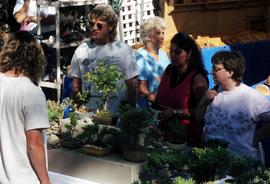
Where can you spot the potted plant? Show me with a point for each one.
(133, 123)
(55, 113)
(176, 135)
(105, 78)
(94, 135)
(68, 138)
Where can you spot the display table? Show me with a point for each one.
(111, 169)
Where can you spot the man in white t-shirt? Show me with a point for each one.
(25, 13)
(103, 46)
(235, 109)
(23, 113)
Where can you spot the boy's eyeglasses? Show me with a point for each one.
(216, 69)
(99, 25)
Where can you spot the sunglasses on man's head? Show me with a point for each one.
(99, 25)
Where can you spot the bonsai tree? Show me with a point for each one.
(104, 78)
(67, 137)
(82, 98)
(55, 111)
(94, 134)
(134, 121)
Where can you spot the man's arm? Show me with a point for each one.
(36, 154)
(131, 89)
(76, 86)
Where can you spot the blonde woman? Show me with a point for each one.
(151, 60)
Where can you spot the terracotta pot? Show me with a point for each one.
(96, 151)
(135, 153)
(70, 144)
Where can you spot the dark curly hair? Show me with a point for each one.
(23, 54)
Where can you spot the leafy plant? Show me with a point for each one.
(177, 131)
(82, 98)
(215, 143)
(134, 121)
(55, 110)
(104, 78)
(71, 128)
(205, 162)
(180, 180)
(95, 134)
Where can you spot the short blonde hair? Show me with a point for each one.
(148, 27)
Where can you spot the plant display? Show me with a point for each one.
(55, 110)
(177, 131)
(180, 180)
(205, 162)
(134, 121)
(94, 134)
(67, 137)
(82, 98)
(104, 78)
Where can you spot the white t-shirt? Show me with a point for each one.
(32, 11)
(22, 108)
(232, 116)
(85, 59)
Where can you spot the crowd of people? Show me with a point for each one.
(175, 83)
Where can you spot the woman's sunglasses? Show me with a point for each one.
(176, 51)
(99, 25)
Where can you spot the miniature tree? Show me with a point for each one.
(104, 78)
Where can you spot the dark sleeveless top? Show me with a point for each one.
(178, 95)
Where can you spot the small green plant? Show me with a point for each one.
(71, 128)
(55, 110)
(177, 131)
(205, 162)
(82, 98)
(94, 134)
(134, 121)
(104, 78)
(180, 180)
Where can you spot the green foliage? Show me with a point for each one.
(82, 98)
(158, 158)
(55, 110)
(104, 77)
(215, 143)
(262, 178)
(179, 180)
(96, 133)
(177, 130)
(135, 120)
(205, 162)
(71, 127)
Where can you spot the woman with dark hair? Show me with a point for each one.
(183, 84)
(23, 113)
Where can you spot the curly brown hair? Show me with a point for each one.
(23, 54)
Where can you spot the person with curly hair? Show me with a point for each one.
(23, 113)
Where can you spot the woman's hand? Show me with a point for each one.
(209, 96)
(166, 113)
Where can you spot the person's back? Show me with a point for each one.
(15, 95)
(23, 113)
